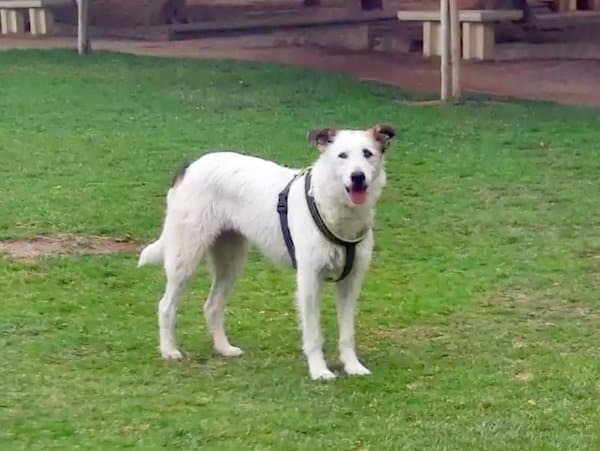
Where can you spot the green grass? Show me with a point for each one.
(479, 318)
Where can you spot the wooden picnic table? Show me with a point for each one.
(478, 35)
(41, 20)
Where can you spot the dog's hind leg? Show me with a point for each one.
(226, 259)
(183, 252)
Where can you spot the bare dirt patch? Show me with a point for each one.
(64, 244)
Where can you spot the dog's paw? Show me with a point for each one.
(323, 375)
(356, 369)
(171, 354)
(231, 351)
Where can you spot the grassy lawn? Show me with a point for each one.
(480, 318)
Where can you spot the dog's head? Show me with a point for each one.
(355, 159)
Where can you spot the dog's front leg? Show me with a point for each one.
(347, 295)
(308, 299)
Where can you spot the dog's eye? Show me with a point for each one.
(367, 153)
(343, 155)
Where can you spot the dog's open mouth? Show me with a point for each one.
(357, 193)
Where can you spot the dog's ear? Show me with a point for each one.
(383, 134)
(321, 138)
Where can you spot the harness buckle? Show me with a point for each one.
(282, 207)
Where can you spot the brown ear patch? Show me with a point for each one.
(321, 138)
(383, 134)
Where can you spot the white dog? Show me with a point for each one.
(319, 221)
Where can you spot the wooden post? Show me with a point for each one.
(455, 48)
(444, 51)
(83, 37)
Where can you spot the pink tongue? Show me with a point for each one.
(358, 196)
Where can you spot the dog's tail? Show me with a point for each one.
(153, 254)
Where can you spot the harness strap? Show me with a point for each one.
(349, 246)
(282, 209)
(350, 253)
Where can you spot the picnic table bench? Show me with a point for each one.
(478, 36)
(41, 20)
(573, 5)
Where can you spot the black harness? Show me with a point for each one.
(282, 209)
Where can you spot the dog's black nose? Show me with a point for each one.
(358, 177)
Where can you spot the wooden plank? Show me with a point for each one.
(570, 18)
(261, 24)
(419, 16)
(26, 4)
(478, 41)
(464, 15)
(468, 39)
(12, 21)
(41, 21)
(431, 38)
(490, 15)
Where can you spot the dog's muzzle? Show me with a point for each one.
(358, 188)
